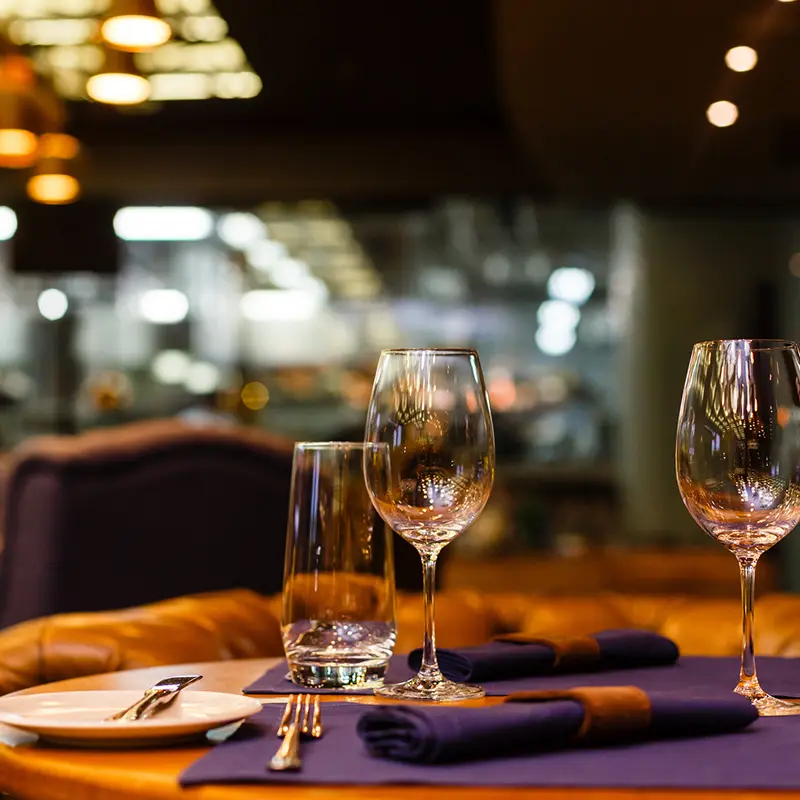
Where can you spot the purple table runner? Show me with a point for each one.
(692, 674)
(274, 681)
(763, 756)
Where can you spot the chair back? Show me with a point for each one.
(131, 515)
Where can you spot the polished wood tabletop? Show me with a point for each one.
(34, 772)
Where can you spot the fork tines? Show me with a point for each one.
(304, 713)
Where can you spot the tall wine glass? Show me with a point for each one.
(431, 408)
(738, 464)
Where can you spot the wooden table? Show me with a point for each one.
(31, 772)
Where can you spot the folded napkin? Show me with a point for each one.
(536, 721)
(521, 655)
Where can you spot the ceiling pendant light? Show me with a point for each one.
(53, 181)
(722, 114)
(58, 145)
(17, 147)
(119, 83)
(135, 25)
(18, 137)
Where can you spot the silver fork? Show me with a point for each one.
(156, 698)
(300, 717)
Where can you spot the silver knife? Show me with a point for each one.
(155, 699)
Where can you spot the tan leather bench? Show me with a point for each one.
(243, 624)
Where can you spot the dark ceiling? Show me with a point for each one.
(353, 66)
(609, 98)
(572, 99)
(361, 101)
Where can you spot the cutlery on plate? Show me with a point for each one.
(300, 717)
(158, 697)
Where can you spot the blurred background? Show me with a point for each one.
(228, 224)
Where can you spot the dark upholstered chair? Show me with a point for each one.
(147, 511)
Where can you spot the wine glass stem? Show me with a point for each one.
(430, 666)
(748, 681)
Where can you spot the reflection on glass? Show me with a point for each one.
(738, 464)
(431, 409)
(338, 617)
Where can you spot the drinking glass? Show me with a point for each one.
(338, 617)
(738, 464)
(431, 410)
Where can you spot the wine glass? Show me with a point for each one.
(431, 408)
(737, 459)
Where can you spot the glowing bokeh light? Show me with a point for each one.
(722, 114)
(255, 395)
(741, 59)
(52, 304)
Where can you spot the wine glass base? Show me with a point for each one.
(769, 706)
(434, 691)
(766, 704)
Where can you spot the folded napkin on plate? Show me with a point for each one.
(531, 721)
(519, 655)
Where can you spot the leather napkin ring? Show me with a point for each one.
(609, 711)
(577, 652)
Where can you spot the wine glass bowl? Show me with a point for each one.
(431, 409)
(738, 463)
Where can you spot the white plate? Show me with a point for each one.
(77, 718)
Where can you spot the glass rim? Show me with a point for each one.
(337, 445)
(450, 351)
(755, 344)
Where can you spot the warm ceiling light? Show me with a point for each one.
(58, 145)
(53, 182)
(136, 32)
(741, 59)
(119, 83)
(17, 147)
(118, 88)
(18, 126)
(53, 188)
(722, 113)
(135, 25)
(17, 71)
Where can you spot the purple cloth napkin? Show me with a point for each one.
(499, 665)
(441, 734)
(618, 649)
